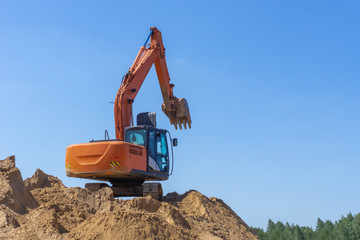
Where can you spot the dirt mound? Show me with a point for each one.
(12, 192)
(41, 207)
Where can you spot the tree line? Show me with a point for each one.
(347, 228)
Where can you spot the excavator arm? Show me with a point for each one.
(176, 110)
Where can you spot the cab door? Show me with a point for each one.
(158, 157)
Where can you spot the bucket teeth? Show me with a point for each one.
(179, 114)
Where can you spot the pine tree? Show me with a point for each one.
(347, 228)
(298, 233)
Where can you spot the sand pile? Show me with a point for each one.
(41, 207)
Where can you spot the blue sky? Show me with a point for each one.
(273, 89)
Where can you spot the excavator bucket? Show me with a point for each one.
(180, 114)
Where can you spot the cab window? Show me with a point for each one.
(162, 157)
(158, 152)
(162, 145)
(136, 136)
(152, 142)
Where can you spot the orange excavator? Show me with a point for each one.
(139, 153)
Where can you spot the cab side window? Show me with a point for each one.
(162, 152)
(161, 144)
(152, 146)
(158, 152)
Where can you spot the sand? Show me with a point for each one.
(41, 207)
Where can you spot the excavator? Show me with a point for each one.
(140, 153)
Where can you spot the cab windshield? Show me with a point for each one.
(136, 136)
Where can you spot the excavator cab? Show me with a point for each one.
(156, 144)
(153, 139)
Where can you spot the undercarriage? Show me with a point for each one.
(135, 189)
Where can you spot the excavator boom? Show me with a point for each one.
(177, 110)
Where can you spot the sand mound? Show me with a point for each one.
(41, 207)
(12, 192)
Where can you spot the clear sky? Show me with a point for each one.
(273, 89)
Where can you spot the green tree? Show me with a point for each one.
(288, 232)
(298, 233)
(275, 231)
(270, 226)
(347, 228)
(325, 230)
(308, 233)
(260, 233)
(356, 226)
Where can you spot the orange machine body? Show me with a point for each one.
(109, 160)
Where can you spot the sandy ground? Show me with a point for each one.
(41, 207)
